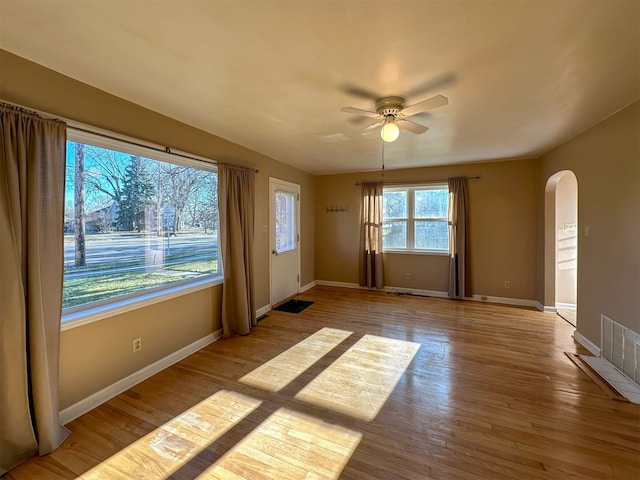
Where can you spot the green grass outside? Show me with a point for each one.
(80, 291)
(131, 263)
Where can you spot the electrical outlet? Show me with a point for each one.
(507, 284)
(137, 345)
(407, 276)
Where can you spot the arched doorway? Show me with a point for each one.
(561, 244)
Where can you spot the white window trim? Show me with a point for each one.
(410, 219)
(100, 312)
(133, 147)
(92, 312)
(394, 251)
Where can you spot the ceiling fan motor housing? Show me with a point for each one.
(389, 106)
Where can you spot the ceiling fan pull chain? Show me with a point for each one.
(382, 171)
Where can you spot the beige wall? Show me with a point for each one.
(99, 354)
(502, 229)
(94, 356)
(606, 162)
(506, 228)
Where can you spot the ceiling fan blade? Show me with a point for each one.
(358, 92)
(413, 127)
(373, 126)
(358, 120)
(428, 104)
(436, 83)
(358, 111)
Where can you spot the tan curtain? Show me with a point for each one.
(458, 256)
(371, 270)
(236, 200)
(31, 244)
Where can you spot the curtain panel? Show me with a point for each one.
(32, 172)
(458, 239)
(236, 202)
(371, 271)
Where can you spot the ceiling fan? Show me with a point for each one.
(392, 115)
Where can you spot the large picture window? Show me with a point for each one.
(136, 221)
(415, 219)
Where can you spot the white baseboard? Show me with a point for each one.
(307, 286)
(329, 283)
(400, 290)
(586, 343)
(417, 291)
(566, 306)
(549, 309)
(92, 401)
(262, 310)
(522, 302)
(436, 293)
(267, 308)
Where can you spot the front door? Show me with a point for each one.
(284, 212)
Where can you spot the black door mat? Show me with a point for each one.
(294, 306)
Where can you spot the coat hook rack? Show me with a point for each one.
(337, 209)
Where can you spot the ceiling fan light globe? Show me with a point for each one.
(389, 132)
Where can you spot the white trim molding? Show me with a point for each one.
(92, 401)
(586, 343)
(549, 309)
(566, 306)
(93, 314)
(267, 308)
(263, 310)
(416, 291)
(522, 302)
(330, 283)
(436, 293)
(308, 286)
(388, 289)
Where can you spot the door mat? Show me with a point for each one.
(294, 306)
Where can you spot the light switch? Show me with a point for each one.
(586, 231)
(265, 228)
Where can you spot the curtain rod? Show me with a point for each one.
(150, 147)
(412, 182)
(73, 125)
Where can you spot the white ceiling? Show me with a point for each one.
(521, 76)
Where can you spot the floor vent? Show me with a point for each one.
(621, 347)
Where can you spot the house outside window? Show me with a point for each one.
(415, 219)
(136, 221)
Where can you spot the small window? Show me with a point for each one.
(136, 221)
(285, 221)
(415, 219)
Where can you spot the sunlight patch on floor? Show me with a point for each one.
(288, 445)
(278, 372)
(361, 380)
(163, 451)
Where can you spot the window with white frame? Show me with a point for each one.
(415, 218)
(136, 221)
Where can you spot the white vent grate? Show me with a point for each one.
(621, 347)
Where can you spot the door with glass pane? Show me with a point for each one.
(284, 214)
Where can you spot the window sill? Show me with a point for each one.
(417, 252)
(89, 315)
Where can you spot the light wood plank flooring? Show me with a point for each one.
(364, 385)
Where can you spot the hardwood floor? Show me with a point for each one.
(364, 385)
